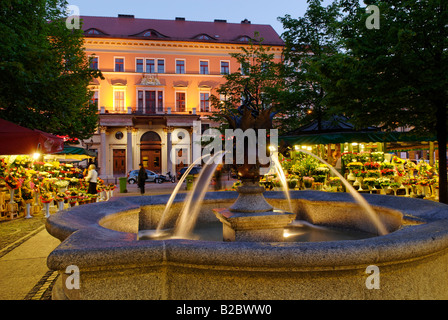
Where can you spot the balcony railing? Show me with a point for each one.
(167, 110)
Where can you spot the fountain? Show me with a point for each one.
(407, 243)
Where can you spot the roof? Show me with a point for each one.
(332, 125)
(219, 31)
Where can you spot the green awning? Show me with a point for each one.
(77, 151)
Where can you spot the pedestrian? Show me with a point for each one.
(92, 179)
(218, 177)
(141, 178)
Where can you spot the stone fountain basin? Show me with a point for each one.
(101, 240)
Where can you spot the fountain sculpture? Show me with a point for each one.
(102, 241)
(251, 217)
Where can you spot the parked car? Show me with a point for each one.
(152, 177)
(194, 171)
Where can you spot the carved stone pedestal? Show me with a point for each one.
(252, 218)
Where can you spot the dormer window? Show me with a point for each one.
(94, 32)
(204, 36)
(149, 34)
(243, 39)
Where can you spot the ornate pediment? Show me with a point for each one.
(150, 80)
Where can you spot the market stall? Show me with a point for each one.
(367, 172)
(42, 187)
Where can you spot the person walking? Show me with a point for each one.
(141, 179)
(92, 179)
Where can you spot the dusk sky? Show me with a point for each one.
(256, 11)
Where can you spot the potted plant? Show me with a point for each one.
(308, 182)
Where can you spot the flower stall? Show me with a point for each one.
(29, 187)
(366, 172)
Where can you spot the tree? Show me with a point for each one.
(258, 78)
(44, 70)
(397, 75)
(307, 40)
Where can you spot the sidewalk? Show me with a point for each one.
(25, 245)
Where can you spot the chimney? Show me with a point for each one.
(180, 19)
(220, 20)
(245, 21)
(131, 16)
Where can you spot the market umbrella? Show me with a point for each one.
(15, 140)
(73, 153)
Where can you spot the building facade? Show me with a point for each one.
(159, 75)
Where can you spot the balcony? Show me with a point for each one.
(166, 110)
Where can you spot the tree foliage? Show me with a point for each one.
(44, 70)
(397, 75)
(258, 79)
(307, 40)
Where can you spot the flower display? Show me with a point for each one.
(387, 172)
(46, 197)
(355, 166)
(371, 165)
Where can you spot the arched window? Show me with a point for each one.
(150, 136)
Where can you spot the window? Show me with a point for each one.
(225, 67)
(180, 66)
(119, 100)
(245, 69)
(160, 101)
(205, 105)
(203, 67)
(139, 65)
(203, 37)
(93, 32)
(149, 101)
(150, 66)
(243, 39)
(147, 34)
(161, 66)
(95, 98)
(180, 101)
(94, 63)
(119, 64)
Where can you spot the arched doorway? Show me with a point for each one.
(151, 151)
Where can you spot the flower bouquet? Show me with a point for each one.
(386, 165)
(355, 166)
(394, 186)
(308, 181)
(60, 198)
(46, 198)
(61, 184)
(12, 183)
(371, 165)
(384, 183)
(334, 183)
(373, 174)
(370, 182)
(377, 156)
(27, 195)
(387, 172)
